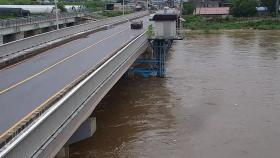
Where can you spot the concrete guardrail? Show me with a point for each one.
(36, 19)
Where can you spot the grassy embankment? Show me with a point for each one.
(113, 13)
(18, 2)
(200, 23)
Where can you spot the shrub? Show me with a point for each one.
(244, 8)
(188, 8)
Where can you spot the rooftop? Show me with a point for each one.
(212, 11)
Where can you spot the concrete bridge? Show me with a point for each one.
(16, 29)
(46, 98)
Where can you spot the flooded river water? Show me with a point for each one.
(220, 99)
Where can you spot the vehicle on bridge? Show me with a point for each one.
(136, 24)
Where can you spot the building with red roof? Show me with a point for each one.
(214, 11)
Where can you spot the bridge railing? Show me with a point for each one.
(27, 43)
(36, 19)
(52, 128)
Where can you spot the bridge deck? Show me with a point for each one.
(32, 83)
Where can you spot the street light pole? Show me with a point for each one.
(123, 7)
(277, 8)
(56, 14)
(181, 13)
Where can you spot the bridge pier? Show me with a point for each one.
(1, 39)
(47, 29)
(62, 26)
(19, 35)
(86, 130)
(63, 153)
(32, 32)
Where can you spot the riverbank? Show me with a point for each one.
(259, 23)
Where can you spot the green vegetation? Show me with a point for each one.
(18, 2)
(112, 13)
(7, 17)
(244, 8)
(244, 17)
(188, 8)
(151, 32)
(61, 7)
(201, 23)
(96, 5)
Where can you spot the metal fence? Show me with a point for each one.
(12, 48)
(36, 19)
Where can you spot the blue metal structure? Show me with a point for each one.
(165, 24)
(154, 66)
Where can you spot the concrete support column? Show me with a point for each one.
(1, 39)
(37, 31)
(62, 26)
(19, 35)
(63, 153)
(48, 29)
(86, 130)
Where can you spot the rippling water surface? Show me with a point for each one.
(220, 99)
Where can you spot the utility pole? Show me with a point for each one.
(123, 7)
(277, 8)
(56, 14)
(181, 13)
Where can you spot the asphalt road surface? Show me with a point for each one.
(29, 84)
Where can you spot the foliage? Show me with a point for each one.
(113, 13)
(244, 8)
(200, 23)
(151, 31)
(95, 5)
(188, 8)
(18, 2)
(61, 7)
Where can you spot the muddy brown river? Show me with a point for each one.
(220, 99)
